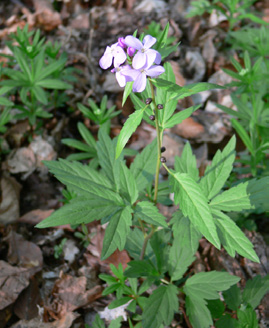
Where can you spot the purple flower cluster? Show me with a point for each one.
(144, 61)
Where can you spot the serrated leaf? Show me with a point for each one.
(206, 285)
(160, 307)
(116, 323)
(116, 303)
(144, 166)
(141, 268)
(83, 179)
(117, 232)
(247, 317)
(180, 116)
(235, 199)
(233, 297)
(128, 129)
(255, 289)
(187, 163)
(80, 210)
(134, 245)
(149, 213)
(106, 156)
(232, 238)
(216, 308)
(128, 187)
(160, 243)
(180, 258)
(194, 205)
(185, 232)
(218, 172)
(198, 313)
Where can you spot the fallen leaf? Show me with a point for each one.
(13, 280)
(25, 306)
(46, 15)
(35, 216)
(188, 129)
(65, 322)
(21, 160)
(24, 253)
(10, 198)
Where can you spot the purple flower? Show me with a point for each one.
(131, 51)
(121, 43)
(116, 52)
(144, 52)
(139, 76)
(119, 72)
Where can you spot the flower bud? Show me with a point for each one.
(163, 159)
(152, 117)
(148, 101)
(121, 43)
(130, 51)
(160, 106)
(163, 149)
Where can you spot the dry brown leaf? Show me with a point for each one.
(9, 206)
(25, 306)
(21, 160)
(188, 129)
(13, 280)
(11, 29)
(24, 253)
(70, 294)
(65, 322)
(35, 216)
(46, 15)
(178, 75)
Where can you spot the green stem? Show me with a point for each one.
(159, 143)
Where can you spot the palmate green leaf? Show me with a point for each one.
(180, 258)
(149, 213)
(185, 232)
(116, 232)
(232, 238)
(218, 172)
(255, 290)
(187, 163)
(247, 317)
(128, 129)
(233, 297)
(194, 205)
(83, 180)
(80, 210)
(160, 307)
(180, 116)
(205, 286)
(235, 199)
(141, 268)
(198, 313)
(134, 245)
(144, 166)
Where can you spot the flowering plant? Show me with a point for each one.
(158, 282)
(141, 60)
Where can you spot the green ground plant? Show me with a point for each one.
(157, 284)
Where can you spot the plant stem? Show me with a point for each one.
(159, 142)
(159, 136)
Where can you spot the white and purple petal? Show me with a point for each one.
(155, 71)
(133, 42)
(140, 83)
(106, 60)
(149, 41)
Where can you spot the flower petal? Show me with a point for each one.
(119, 56)
(106, 60)
(158, 58)
(133, 42)
(139, 60)
(149, 41)
(155, 71)
(151, 57)
(131, 74)
(121, 79)
(140, 83)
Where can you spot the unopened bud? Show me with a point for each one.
(152, 117)
(163, 159)
(148, 101)
(163, 149)
(160, 106)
